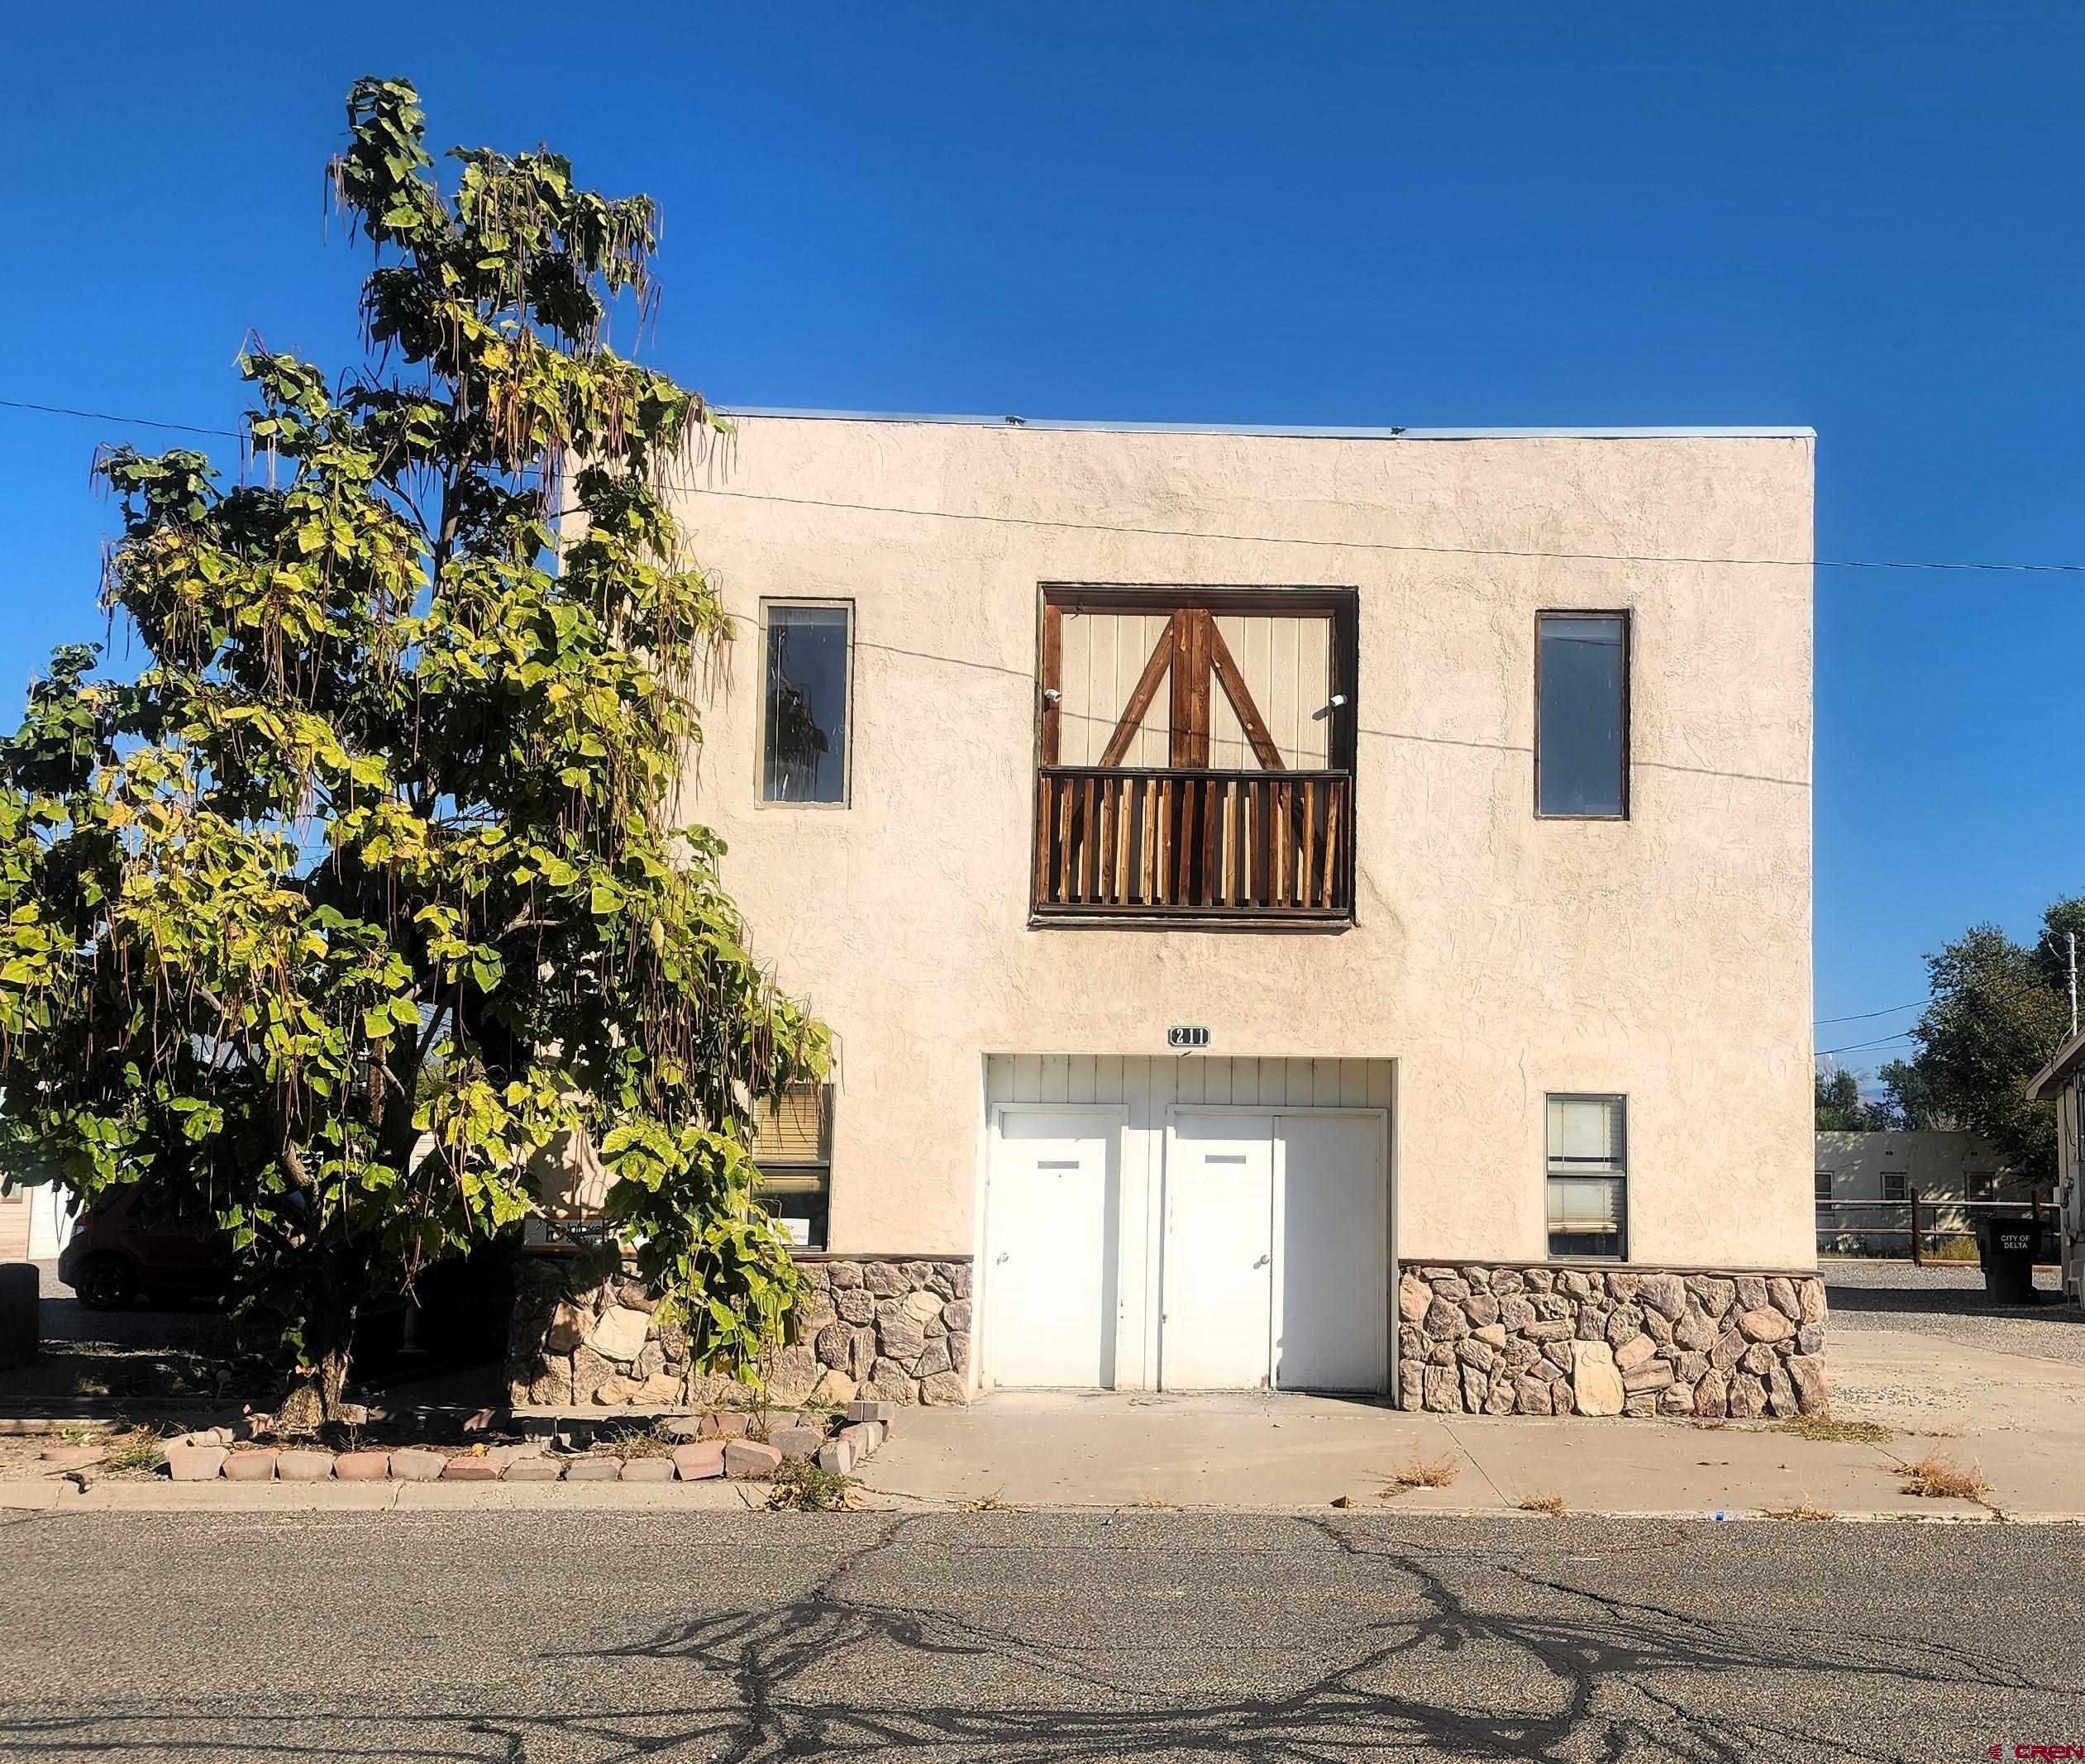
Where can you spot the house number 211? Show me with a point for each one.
(1187, 1035)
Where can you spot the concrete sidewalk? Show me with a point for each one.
(1257, 1453)
(2016, 1417)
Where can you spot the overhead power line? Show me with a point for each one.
(1374, 544)
(103, 416)
(1887, 1010)
(1309, 541)
(1856, 1046)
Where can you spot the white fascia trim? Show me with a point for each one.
(1322, 432)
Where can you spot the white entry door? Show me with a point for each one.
(1049, 1255)
(1331, 1253)
(1276, 1251)
(1216, 1316)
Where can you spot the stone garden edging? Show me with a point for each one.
(712, 1446)
(1560, 1339)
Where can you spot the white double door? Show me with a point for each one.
(1276, 1251)
(1272, 1249)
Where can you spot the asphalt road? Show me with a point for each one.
(1147, 1635)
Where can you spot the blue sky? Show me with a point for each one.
(1861, 217)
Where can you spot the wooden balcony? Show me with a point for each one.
(1175, 843)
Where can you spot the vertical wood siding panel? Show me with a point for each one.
(1314, 687)
(1028, 1077)
(1154, 742)
(1353, 1084)
(1107, 1080)
(1382, 1084)
(1296, 1081)
(1080, 1079)
(1057, 1079)
(1276, 692)
(1228, 750)
(1076, 708)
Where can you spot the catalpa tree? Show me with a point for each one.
(365, 895)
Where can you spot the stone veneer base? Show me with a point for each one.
(1545, 1339)
(895, 1329)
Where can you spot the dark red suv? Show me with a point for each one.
(119, 1249)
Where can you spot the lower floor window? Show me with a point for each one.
(1588, 1177)
(793, 1146)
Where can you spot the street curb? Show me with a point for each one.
(62, 1498)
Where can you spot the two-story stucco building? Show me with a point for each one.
(1302, 909)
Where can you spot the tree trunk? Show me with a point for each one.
(329, 1341)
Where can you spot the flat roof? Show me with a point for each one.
(1318, 432)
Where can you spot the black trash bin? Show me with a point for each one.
(18, 1283)
(2008, 1247)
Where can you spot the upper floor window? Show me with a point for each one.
(1582, 715)
(1588, 1166)
(809, 655)
(1196, 749)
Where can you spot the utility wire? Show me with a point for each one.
(946, 514)
(1855, 1047)
(103, 416)
(1223, 538)
(1370, 545)
(1886, 1011)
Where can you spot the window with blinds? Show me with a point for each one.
(792, 1146)
(1588, 1170)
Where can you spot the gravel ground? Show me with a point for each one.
(1029, 1637)
(1948, 1302)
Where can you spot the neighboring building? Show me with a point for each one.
(1940, 1166)
(1240, 868)
(2062, 1082)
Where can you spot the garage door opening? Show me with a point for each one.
(1187, 1224)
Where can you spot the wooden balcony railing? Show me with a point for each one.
(1193, 844)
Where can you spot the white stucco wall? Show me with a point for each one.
(1495, 957)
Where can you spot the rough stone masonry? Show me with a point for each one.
(585, 1333)
(1551, 1340)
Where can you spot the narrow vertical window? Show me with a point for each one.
(1581, 716)
(1588, 1176)
(793, 1148)
(803, 720)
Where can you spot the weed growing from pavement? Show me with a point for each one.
(137, 1448)
(636, 1442)
(800, 1486)
(1843, 1433)
(1801, 1511)
(1552, 1504)
(1422, 1473)
(1938, 1478)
